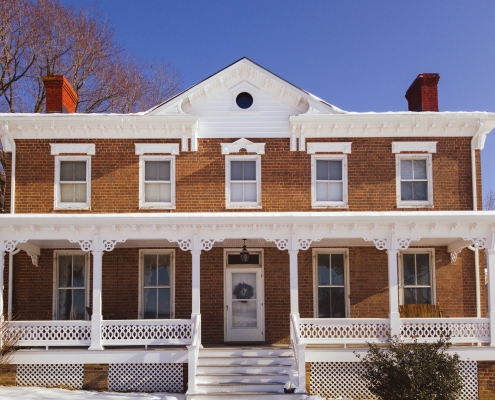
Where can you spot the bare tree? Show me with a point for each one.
(489, 200)
(80, 45)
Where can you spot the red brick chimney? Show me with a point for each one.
(422, 95)
(60, 96)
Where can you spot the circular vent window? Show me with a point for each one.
(244, 100)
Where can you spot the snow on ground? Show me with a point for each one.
(36, 393)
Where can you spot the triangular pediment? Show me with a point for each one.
(245, 75)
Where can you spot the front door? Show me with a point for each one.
(245, 304)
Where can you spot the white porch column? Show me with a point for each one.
(393, 283)
(491, 293)
(96, 317)
(196, 254)
(294, 285)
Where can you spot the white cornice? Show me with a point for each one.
(429, 147)
(72, 148)
(329, 147)
(157, 148)
(238, 145)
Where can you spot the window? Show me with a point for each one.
(414, 180)
(156, 284)
(243, 181)
(416, 276)
(72, 182)
(331, 284)
(71, 280)
(157, 189)
(329, 181)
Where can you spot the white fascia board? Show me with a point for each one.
(84, 356)
(403, 124)
(99, 126)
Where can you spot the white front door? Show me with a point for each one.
(245, 304)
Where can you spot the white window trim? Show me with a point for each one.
(72, 148)
(142, 252)
(329, 147)
(56, 254)
(59, 205)
(244, 86)
(156, 205)
(156, 148)
(399, 147)
(347, 292)
(321, 204)
(429, 174)
(243, 204)
(431, 251)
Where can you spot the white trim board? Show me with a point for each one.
(156, 148)
(329, 147)
(72, 148)
(399, 147)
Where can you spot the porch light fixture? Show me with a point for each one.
(244, 254)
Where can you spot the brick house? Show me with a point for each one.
(241, 234)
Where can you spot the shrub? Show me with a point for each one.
(412, 371)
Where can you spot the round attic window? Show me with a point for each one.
(244, 100)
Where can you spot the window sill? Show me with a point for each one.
(69, 207)
(339, 206)
(415, 206)
(164, 207)
(252, 207)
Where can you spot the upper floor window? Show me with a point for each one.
(71, 280)
(157, 284)
(157, 182)
(72, 182)
(243, 181)
(417, 276)
(329, 181)
(414, 180)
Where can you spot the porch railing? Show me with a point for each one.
(299, 349)
(343, 330)
(50, 333)
(146, 332)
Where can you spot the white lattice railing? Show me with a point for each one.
(460, 330)
(146, 332)
(343, 330)
(51, 333)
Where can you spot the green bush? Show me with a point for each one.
(412, 371)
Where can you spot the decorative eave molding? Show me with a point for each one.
(157, 148)
(429, 147)
(72, 148)
(329, 147)
(238, 145)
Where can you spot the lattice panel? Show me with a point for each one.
(465, 331)
(145, 378)
(51, 375)
(146, 332)
(51, 333)
(345, 331)
(341, 379)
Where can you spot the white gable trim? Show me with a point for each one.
(238, 145)
(73, 148)
(326, 147)
(156, 148)
(399, 147)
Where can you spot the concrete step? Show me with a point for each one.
(246, 361)
(240, 387)
(244, 396)
(242, 378)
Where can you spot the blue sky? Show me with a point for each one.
(357, 55)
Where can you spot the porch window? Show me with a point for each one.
(331, 277)
(157, 285)
(329, 181)
(72, 182)
(414, 180)
(71, 282)
(417, 277)
(243, 181)
(157, 189)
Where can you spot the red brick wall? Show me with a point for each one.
(286, 176)
(486, 380)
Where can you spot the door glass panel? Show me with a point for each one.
(337, 302)
(64, 304)
(324, 302)
(337, 269)
(150, 303)
(65, 271)
(409, 269)
(79, 303)
(323, 269)
(423, 269)
(244, 304)
(163, 303)
(150, 271)
(164, 270)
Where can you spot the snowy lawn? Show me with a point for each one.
(36, 393)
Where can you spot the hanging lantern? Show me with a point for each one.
(244, 254)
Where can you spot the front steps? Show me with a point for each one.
(247, 373)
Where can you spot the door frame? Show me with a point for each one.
(261, 290)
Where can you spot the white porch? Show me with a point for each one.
(294, 232)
